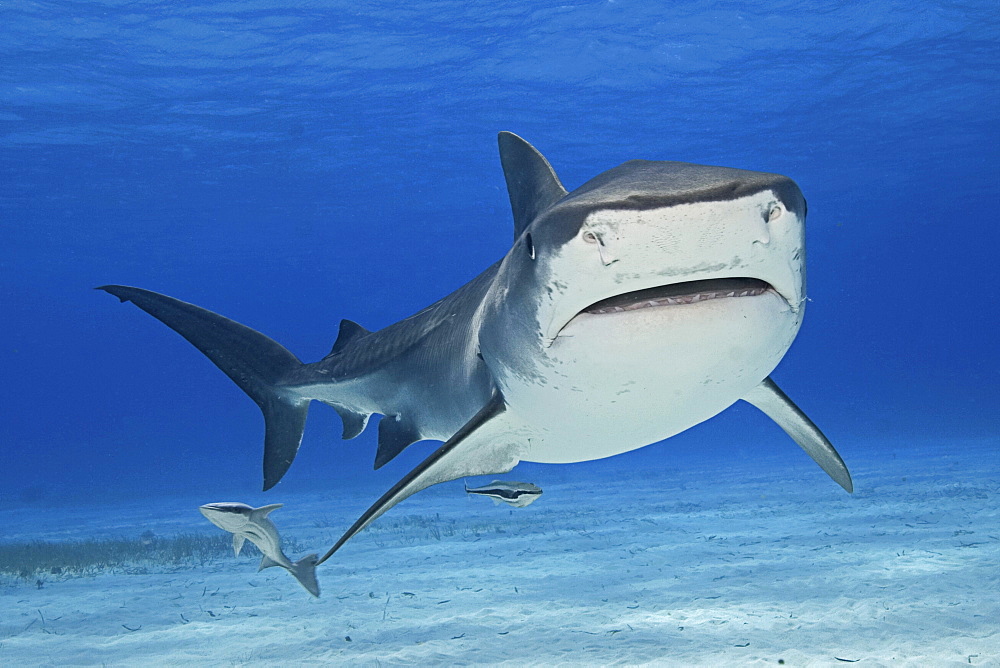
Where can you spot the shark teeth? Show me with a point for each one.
(681, 299)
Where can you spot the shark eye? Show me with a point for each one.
(590, 237)
(529, 245)
(774, 213)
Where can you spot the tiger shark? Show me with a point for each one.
(640, 304)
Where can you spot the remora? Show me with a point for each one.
(253, 524)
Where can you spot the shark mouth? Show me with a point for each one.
(688, 292)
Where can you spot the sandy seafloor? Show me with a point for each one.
(714, 562)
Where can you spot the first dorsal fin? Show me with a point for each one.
(349, 330)
(262, 512)
(532, 184)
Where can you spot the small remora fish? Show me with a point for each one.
(253, 524)
(517, 494)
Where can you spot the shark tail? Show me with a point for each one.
(304, 571)
(253, 361)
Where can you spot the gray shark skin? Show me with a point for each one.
(517, 494)
(253, 524)
(642, 303)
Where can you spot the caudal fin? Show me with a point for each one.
(304, 571)
(253, 361)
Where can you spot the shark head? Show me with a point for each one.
(229, 516)
(683, 282)
(660, 235)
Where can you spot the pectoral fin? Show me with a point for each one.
(488, 443)
(238, 541)
(769, 398)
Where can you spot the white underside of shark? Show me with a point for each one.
(633, 377)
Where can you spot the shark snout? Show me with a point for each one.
(226, 516)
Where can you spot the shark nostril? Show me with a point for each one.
(606, 258)
(764, 233)
(591, 237)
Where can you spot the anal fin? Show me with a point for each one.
(394, 434)
(769, 398)
(488, 443)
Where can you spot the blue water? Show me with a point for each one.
(291, 163)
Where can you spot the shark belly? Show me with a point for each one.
(616, 382)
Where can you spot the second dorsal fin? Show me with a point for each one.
(261, 513)
(349, 330)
